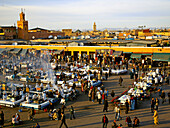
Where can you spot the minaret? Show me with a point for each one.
(22, 27)
(94, 27)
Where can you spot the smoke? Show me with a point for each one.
(46, 65)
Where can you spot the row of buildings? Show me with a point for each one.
(21, 31)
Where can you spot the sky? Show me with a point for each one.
(81, 14)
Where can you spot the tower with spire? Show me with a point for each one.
(22, 25)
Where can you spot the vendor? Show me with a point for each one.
(21, 93)
(63, 86)
(30, 86)
(27, 98)
(157, 71)
(147, 79)
(12, 92)
(34, 97)
(70, 89)
(4, 95)
(13, 120)
(37, 86)
(63, 101)
(48, 86)
(17, 118)
(41, 86)
(39, 97)
(16, 93)
(44, 96)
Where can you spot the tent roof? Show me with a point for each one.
(117, 53)
(58, 51)
(161, 57)
(2, 50)
(134, 55)
(16, 50)
(23, 52)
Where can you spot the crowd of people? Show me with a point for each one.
(85, 80)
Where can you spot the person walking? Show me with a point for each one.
(136, 74)
(112, 93)
(59, 114)
(163, 97)
(152, 104)
(103, 98)
(106, 92)
(118, 117)
(114, 125)
(2, 119)
(72, 113)
(105, 105)
(31, 114)
(99, 97)
(37, 125)
(131, 75)
(160, 91)
(63, 120)
(93, 96)
(105, 121)
(120, 81)
(127, 106)
(51, 105)
(90, 94)
(128, 121)
(63, 108)
(156, 103)
(155, 116)
(106, 75)
(169, 96)
(116, 112)
(136, 122)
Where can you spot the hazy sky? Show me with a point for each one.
(80, 14)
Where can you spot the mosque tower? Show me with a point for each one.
(94, 27)
(22, 25)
